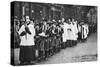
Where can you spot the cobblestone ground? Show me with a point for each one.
(84, 51)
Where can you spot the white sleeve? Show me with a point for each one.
(75, 29)
(32, 30)
(21, 29)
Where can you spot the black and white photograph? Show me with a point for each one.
(52, 33)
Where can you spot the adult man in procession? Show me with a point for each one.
(27, 50)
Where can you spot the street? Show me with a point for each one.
(84, 51)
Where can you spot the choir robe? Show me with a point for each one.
(27, 50)
(74, 32)
(85, 31)
(65, 34)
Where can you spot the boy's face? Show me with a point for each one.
(63, 19)
(44, 23)
(69, 20)
(27, 19)
(72, 20)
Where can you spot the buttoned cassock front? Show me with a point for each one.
(28, 39)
